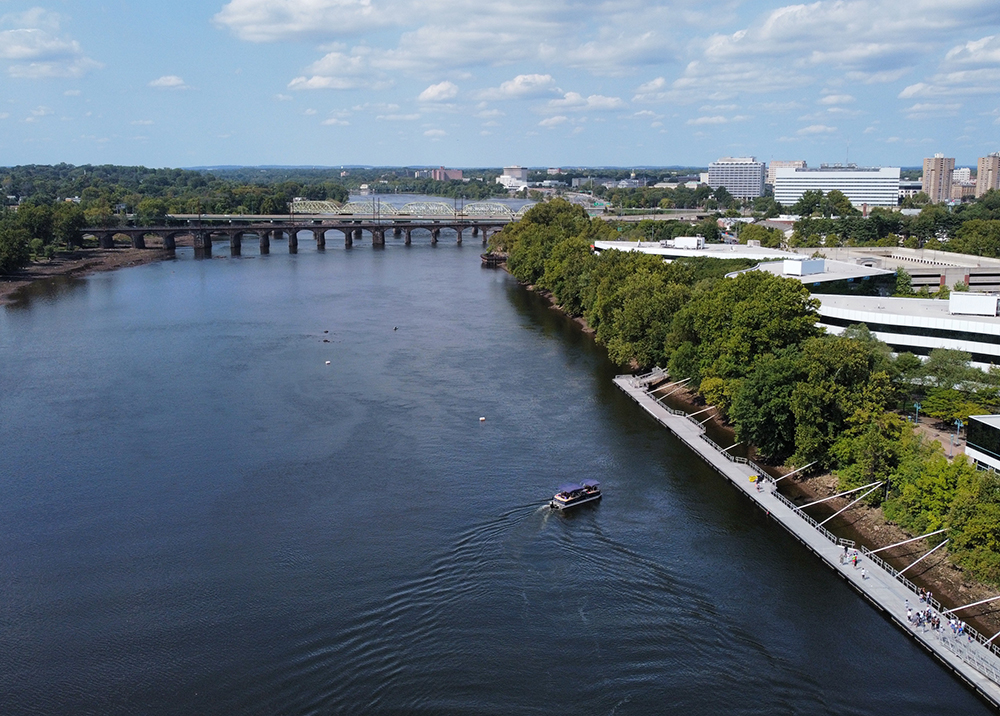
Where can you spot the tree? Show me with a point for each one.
(842, 376)
(808, 203)
(761, 408)
(14, 251)
(67, 221)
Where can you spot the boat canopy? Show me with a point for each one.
(574, 487)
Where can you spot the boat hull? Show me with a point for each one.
(559, 504)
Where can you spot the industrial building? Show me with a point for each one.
(864, 186)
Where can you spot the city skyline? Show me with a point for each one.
(557, 83)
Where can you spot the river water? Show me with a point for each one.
(199, 515)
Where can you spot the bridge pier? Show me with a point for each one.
(265, 242)
(138, 241)
(435, 235)
(486, 234)
(320, 239)
(203, 244)
(475, 231)
(397, 232)
(357, 234)
(348, 238)
(169, 242)
(458, 230)
(378, 238)
(293, 241)
(236, 244)
(106, 240)
(406, 240)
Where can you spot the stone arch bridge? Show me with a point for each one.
(208, 228)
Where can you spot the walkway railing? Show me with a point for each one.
(959, 645)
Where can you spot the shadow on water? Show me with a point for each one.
(45, 290)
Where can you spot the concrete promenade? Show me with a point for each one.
(976, 663)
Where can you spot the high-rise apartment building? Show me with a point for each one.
(776, 164)
(938, 172)
(743, 177)
(988, 176)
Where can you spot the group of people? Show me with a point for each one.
(928, 617)
(851, 557)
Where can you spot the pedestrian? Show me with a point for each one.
(909, 615)
(863, 574)
(855, 560)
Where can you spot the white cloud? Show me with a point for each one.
(142, 122)
(171, 82)
(72, 93)
(574, 101)
(398, 117)
(435, 133)
(716, 119)
(553, 121)
(521, 87)
(35, 44)
(440, 92)
(816, 129)
(274, 20)
(335, 121)
(836, 99)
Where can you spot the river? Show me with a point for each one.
(200, 515)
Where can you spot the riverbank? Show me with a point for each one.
(81, 262)
(868, 525)
(972, 659)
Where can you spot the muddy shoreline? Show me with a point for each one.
(81, 262)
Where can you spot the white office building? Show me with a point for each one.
(872, 186)
(919, 325)
(743, 177)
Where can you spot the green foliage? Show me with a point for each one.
(761, 408)
(975, 523)
(14, 251)
(731, 322)
(768, 238)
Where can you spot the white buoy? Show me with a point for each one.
(482, 420)
(328, 362)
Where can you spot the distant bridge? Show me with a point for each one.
(205, 228)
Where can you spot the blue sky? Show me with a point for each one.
(494, 82)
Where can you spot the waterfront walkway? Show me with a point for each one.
(974, 661)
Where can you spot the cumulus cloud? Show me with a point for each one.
(274, 20)
(521, 87)
(441, 92)
(574, 101)
(553, 121)
(435, 133)
(836, 99)
(38, 50)
(171, 82)
(816, 129)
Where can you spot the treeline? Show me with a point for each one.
(44, 207)
(751, 347)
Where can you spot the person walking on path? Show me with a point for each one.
(864, 575)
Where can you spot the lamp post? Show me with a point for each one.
(917, 418)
